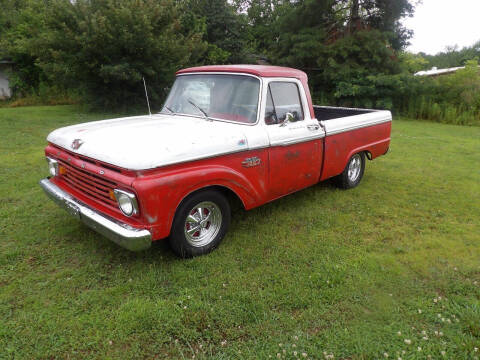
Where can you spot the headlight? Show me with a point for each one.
(127, 202)
(52, 166)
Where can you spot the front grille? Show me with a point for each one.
(88, 183)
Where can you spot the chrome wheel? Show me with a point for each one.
(202, 224)
(354, 168)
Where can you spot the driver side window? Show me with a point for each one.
(283, 98)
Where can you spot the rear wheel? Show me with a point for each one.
(200, 224)
(353, 172)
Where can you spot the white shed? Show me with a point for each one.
(5, 69)
(437, 72)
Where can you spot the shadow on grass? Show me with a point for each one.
(88, 240)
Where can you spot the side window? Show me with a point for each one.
(283, 98)
(270, 116)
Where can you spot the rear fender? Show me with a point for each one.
(339, 148)
(372, 151)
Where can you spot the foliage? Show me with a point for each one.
(262, 18)
(382, 15)
(109, 45)
(348, 48)
(21, 20)
(322, 270)
(361, 72)
(453, 99)
(45, 94)
(412, 63)
(105, 47)
(225, 30)
(351, 50)
(453, 56)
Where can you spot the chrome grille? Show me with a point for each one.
(88, 183)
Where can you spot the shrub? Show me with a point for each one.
(453, 99)
(107, 46)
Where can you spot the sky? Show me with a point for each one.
(441, 23)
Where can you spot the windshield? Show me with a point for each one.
(223, 97)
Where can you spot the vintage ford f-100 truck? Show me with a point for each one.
(243, 132)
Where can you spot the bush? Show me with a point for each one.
(453, 99)
(46, 94)
(105, 47)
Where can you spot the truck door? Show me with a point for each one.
(295, 152)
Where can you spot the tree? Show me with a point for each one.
(225, 29)
(453, 56)
(107, 46)
(383, 15)
(412, 63)
(20, 22)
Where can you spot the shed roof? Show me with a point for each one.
(435, 71)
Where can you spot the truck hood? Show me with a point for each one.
(146, 142)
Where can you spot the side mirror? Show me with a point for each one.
(288, 119)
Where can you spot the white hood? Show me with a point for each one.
(145, 142)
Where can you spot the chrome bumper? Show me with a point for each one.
(122, 234)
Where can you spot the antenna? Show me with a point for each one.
(146, 95)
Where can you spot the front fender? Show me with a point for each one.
(161, 193)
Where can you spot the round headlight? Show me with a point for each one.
(127, 202)
(52, 166)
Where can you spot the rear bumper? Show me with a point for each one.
(120, 233)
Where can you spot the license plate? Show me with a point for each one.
(73, 210)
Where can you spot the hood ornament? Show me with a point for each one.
(76, 144)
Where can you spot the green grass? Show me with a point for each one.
(323, 270)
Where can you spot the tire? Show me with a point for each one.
(196, 232)
(353, 172)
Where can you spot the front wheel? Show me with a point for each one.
(200, 224)
(353, 173)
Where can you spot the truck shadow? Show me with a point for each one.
(255, 219)
(294, 203)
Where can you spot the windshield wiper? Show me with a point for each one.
(200, 109)
(171, 111)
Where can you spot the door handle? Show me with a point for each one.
(313, 127)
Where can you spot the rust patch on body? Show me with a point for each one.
(292, 155)
(150, 219)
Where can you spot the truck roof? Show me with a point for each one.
(261, 71)
(258, 70)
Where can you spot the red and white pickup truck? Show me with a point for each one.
(225, 132)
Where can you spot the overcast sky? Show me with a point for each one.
(440, 23)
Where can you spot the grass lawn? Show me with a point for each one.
(391, 267)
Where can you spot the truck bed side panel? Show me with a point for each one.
(341, 146)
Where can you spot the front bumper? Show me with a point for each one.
(122, 234)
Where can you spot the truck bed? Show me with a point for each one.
(324, 113)
(338, 119)
(348, 131)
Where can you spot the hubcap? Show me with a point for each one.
(203, 224)
(354, 168)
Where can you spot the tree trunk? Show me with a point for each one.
(354, 17)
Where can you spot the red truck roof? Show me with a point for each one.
(258, 70)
